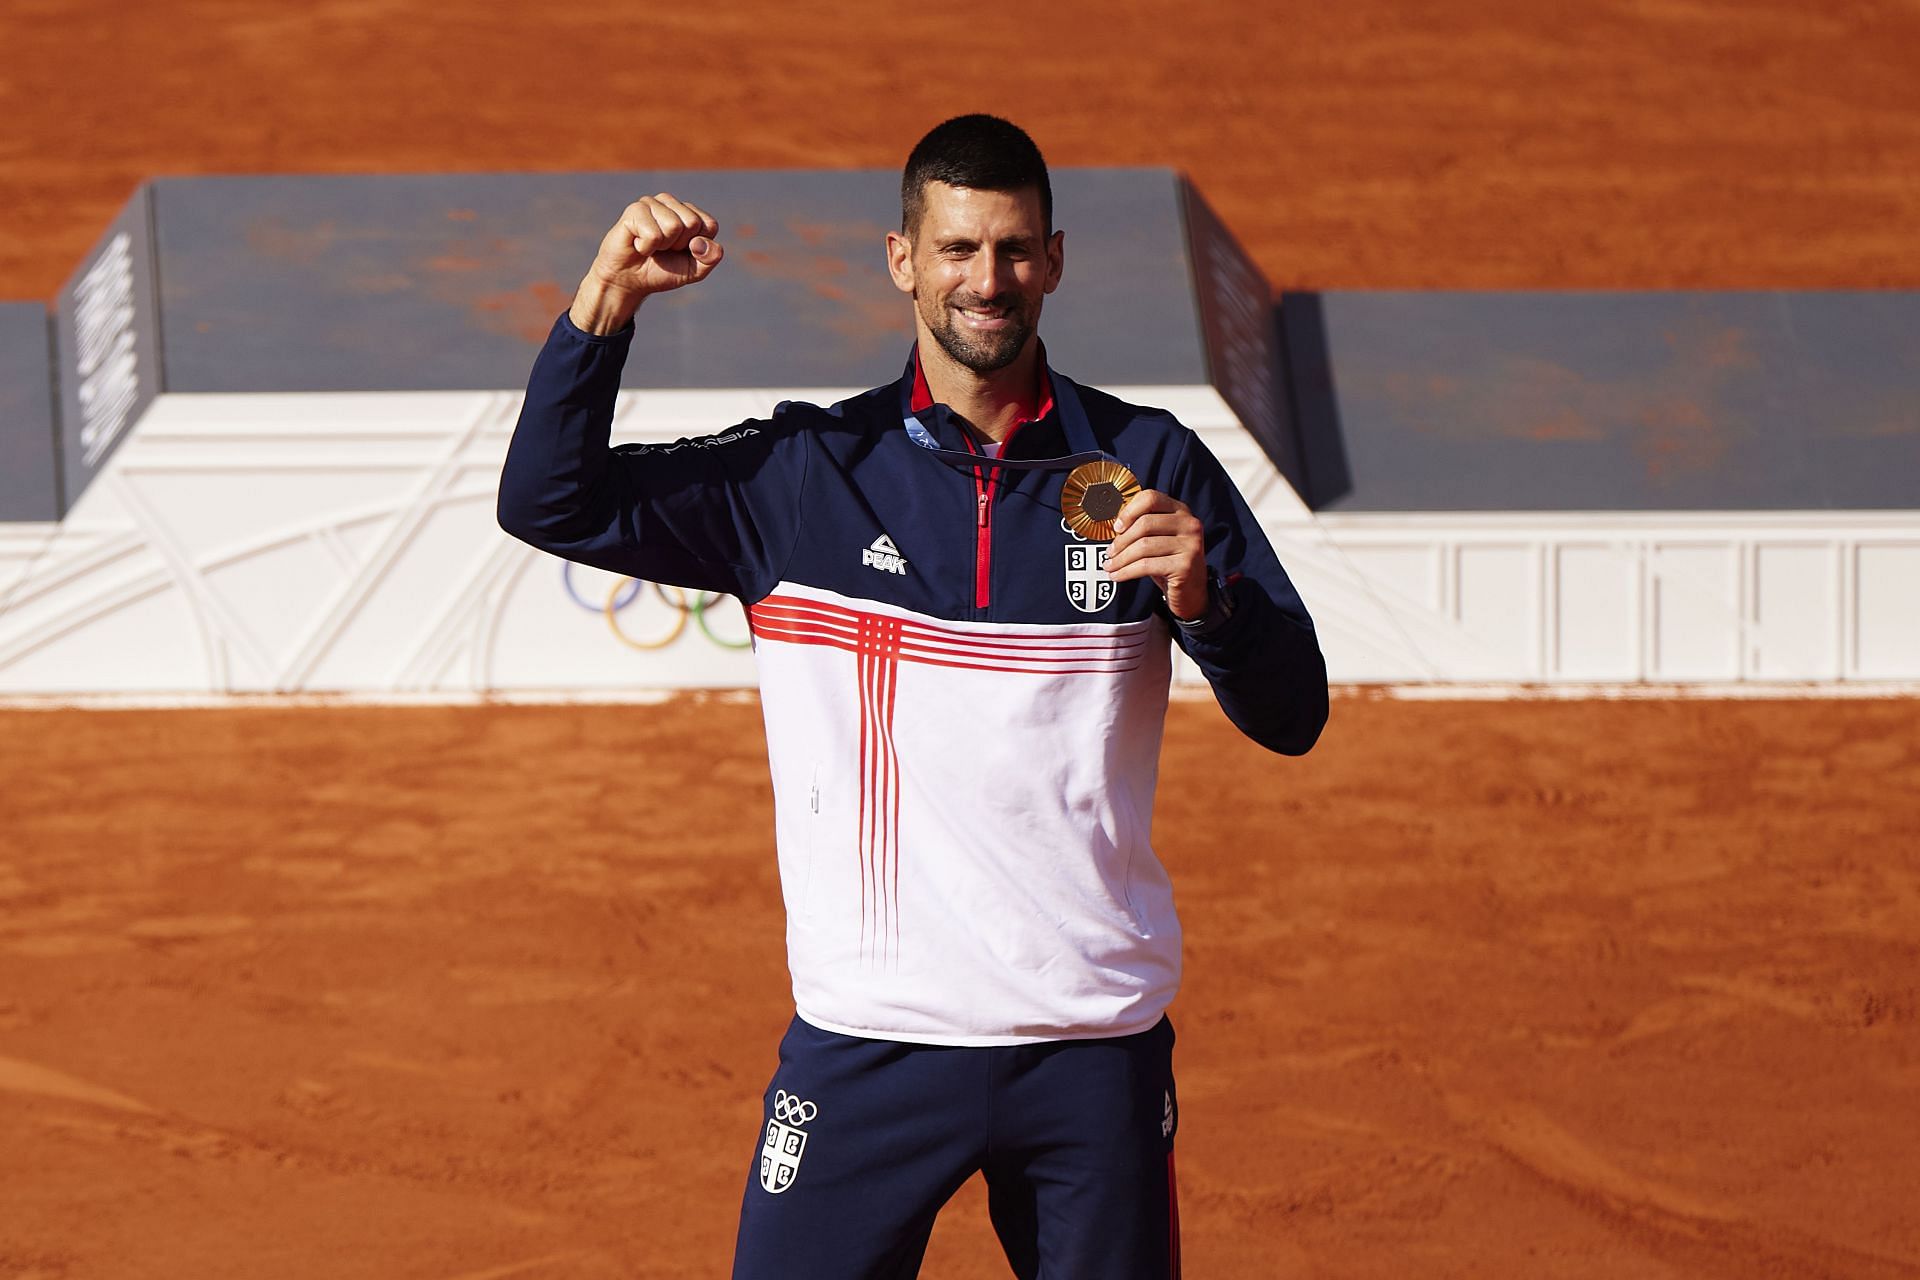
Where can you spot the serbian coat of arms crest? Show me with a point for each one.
(786, 1141)
(1088, 586)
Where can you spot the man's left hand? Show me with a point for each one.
(1157, 537)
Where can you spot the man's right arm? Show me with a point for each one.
(719, 513)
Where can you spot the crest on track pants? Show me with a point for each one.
(786, 1141)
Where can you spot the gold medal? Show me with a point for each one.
(1093, 496)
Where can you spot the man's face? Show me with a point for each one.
(978, 266)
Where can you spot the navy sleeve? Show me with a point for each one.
(1263, 660)
(716, 513)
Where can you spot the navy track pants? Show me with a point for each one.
(865, 1140)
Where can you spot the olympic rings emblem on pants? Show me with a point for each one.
(792, 1110)
(682, 603)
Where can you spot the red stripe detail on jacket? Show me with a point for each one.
(880, 643)
(809, 622)
(892, 668)
(866, 790)
(877, 665)
(801, 613)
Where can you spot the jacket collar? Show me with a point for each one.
(923, 394)
(933, 426)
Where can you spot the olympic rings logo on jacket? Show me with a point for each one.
(681, 604)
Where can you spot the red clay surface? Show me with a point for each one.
(1525, 989)
(1581, 990)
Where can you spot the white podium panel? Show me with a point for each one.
(1695, 627)
(1596, 619)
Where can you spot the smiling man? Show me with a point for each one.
(963, 587)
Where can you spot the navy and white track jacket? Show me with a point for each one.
(963, 713)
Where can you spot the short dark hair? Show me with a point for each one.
(979, 151)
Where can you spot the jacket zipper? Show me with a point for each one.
(983, 482)
(983, 538)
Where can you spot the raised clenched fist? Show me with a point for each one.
(660, 243)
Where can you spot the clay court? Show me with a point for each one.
(1478, 988)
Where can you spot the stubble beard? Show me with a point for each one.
(982, 353)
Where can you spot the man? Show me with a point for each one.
(962, 588)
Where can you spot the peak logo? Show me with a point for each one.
(884, 556)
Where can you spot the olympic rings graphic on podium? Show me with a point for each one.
(680, 603)
(793, 1110)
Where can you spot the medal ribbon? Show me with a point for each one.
(1073, 420)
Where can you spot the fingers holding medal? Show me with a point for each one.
(1158, 537)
